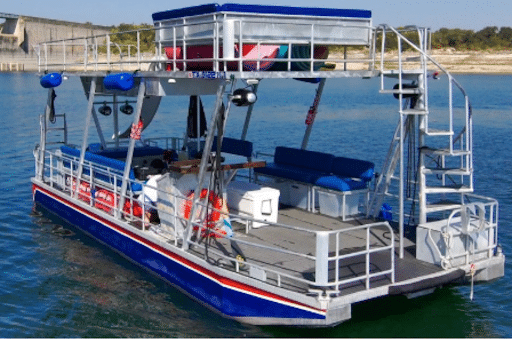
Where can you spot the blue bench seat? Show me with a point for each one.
(299, 165)
(340, 184)
(234, 146)
(120, 152)
(348, 174)
(115, 167)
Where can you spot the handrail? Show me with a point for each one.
(214, 37)
(320, 261)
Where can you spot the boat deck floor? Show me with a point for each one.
(279, 258)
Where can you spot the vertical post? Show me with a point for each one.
(98, 128)
(204, 160)
(248, 115)
(116, 120)
(345, 58)
(108, 51)
(131, 146)
(64, 54)
(421, 105)
(198, 125)
(42, 144)
(90, 105)
(312, 113)
(138, 49)
(322, 259)
(401, 188)
(85, 54)
(228, 44)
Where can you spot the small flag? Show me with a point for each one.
(136, 130)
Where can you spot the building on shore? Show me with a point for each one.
(19, 36)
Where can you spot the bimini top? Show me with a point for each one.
(259, 9)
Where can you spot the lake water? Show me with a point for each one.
(56, 282)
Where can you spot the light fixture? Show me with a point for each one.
(105, 110)
(126, 109)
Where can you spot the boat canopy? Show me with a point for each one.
(260, 9)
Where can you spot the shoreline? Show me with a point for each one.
(456, 62)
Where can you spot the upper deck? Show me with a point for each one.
(251, 41)
(231, 24)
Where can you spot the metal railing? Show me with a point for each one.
(475, 225)
(60, 173)
(102, 53)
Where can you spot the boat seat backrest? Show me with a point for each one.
(317, 161)
(120, 153)
(114, 166)
(235, 146)
(353, 168)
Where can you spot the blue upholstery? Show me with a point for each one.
(234, 146)
(312, 160)
(291, 172)
(300, 165)
(340, 184)
(322, 169)
(116, 166)
(120, 153)
(353, 168)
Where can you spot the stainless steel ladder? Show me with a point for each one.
(444, 158)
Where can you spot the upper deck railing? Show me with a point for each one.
(270, 45)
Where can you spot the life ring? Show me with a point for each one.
(106, 201)
(84, 189)
(217, 220)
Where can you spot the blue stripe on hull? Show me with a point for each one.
(226, 300)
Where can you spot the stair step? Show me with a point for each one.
(398, 91)
(457, 188)
(437, 132)
(436, 207)
(446, 171)
(411, 74)
(443, 151)
(414, 112)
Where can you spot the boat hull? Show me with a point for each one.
(225, 296)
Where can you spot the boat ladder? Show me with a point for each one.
(431, 149)
(58, 130)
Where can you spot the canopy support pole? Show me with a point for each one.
(248, 115)
(44, 128)
(116, 120)
(310, 119)
(131, 147)
(98, 128)
(204, 162)
(90, 108)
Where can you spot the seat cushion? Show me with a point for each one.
(340, 184)
(291, 172)
(353, 168)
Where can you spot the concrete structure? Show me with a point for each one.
(20, 34)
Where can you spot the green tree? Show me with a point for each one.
(125, 35)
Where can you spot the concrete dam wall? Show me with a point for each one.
(21, 34)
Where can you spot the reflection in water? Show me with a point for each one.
(445, 313)
(54, 285)
(109, 297)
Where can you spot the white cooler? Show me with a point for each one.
(251, 199)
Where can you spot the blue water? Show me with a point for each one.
(56, 282)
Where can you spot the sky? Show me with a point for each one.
(472, 14)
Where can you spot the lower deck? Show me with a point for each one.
(309, 251)
(275, 254)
